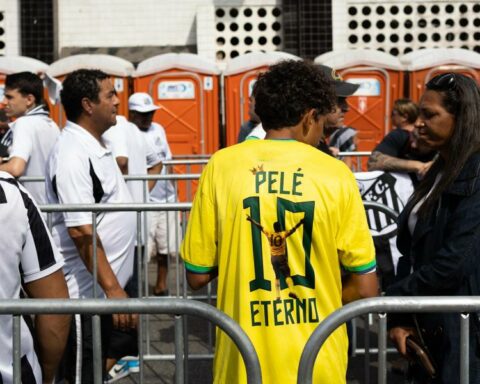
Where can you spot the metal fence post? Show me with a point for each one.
(16, 350)
(179, 351)
(96, 321)
(464, 348)
(382, 348)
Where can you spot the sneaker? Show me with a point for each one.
(133, 365)
(118, 371)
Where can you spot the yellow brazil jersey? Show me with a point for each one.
(278, 181)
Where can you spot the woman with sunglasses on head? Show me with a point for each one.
(439, 230)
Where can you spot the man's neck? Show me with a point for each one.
(90, 127)
(27, 111)
(281, 134)
(143, 129)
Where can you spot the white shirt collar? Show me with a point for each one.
(98, 147)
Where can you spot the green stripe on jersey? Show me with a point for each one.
(361, 268)
(197, 269)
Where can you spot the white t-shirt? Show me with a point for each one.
(23, 234)
(257, 133)
(82, 171)
(33, 138)
(125, 140)
(163, 191)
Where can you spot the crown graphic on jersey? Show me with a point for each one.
(258, 168)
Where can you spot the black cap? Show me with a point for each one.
(342, 88)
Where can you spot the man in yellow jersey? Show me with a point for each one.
(278, 250)
(283, 179)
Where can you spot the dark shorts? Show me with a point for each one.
(80, 343)
(280, 266)
(125, 342)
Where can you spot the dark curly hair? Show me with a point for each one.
(77, 85)
(26, 83)
(288, 90)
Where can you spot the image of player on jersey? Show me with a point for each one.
(278, 253)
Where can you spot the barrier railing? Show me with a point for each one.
(360, 165)
(170, 177)
(141, 261)
(192, 176)
(176, 307)
(191, 157)
(464, 305)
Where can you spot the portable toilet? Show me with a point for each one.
(380, 76)
(239, 77)
(15, 64)
(186, 88)
(424, 64)
(119, 69)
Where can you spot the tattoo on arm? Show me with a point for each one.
(380, 162)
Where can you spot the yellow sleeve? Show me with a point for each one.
(355, 243)
(199, 247)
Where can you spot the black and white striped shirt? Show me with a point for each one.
(27, 254)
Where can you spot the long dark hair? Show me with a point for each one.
(461, 98)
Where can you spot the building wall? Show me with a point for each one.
(142, 28)
(228, 29)
(120, 23)
(397, 27)
(142, 23)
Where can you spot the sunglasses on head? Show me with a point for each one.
(443, 82)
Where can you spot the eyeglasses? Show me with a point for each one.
(443, 82)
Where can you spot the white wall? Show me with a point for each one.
(421, 24)
(122, 23)
(131, 23)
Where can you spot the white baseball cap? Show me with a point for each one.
(141, 102)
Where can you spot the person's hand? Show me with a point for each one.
(399, 336)
(334, 151)
(423, 168)
(122, 321)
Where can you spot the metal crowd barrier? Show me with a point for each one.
(176, 307)
(141, 261)
(358, 157)
(463, 305)
(178, 283)
(191, 157)
(201, 161)
(175, 178)
(179, 277)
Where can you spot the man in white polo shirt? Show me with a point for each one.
(165, 231)
(135, 156)
(134, 153)
(81, 169)
(33, 133)
(29, 259)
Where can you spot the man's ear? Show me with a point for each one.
(87, 105)
(31, 101)
(308, 121)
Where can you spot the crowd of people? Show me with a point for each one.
(84, 163)
(278, 220)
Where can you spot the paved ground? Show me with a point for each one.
(161, 330)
